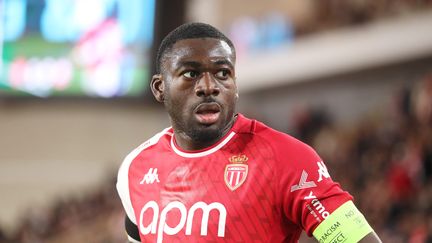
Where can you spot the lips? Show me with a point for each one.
(208, 113)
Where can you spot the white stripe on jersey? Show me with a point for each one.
(203, 153)
(132, 240)
(123, 174)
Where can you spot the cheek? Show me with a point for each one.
(177, 101)
(231, 95)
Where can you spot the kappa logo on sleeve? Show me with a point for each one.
(303, 183)
(322, 171)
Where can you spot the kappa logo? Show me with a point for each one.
(322, 171)
(150, 177)
(236, 172)
(303, 184)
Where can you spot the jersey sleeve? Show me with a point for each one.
(123, 187)
(308, 193)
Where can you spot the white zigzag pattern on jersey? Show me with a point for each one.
(303, 184)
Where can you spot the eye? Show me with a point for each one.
(223, 74)
(191, 74)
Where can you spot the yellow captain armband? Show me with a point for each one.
(346, 224)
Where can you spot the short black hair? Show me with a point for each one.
(189, 31)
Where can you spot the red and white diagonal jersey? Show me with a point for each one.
(255, 185)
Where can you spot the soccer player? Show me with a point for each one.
(217, 176)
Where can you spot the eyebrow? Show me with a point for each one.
(224, 62)
(188, 63)
(195, 64)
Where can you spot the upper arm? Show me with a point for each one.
(313, 201)
(345, 224)
(309, 195)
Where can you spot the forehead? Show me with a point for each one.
(199, 50)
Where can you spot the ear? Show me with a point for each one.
(157, 87)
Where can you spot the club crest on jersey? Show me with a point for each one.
(236, 172)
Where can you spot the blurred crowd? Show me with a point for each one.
(272, 28)
(96, 217)
(384, 161)
(335, 13)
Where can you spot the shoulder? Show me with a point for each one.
(283, 144)
(123, 172)
(142, 147)
(286, 152)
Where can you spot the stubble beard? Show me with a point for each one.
(205, 135)
(198, 133)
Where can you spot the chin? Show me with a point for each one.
(206, 134)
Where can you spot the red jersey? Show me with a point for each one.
(255, 185)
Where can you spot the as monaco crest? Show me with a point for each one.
(236, 172)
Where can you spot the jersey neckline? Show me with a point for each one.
(209, 150)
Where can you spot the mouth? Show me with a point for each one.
(208, 113)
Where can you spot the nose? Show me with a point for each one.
(206, 86)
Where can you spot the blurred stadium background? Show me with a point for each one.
(351, 78)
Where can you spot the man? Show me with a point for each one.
(218, 176)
